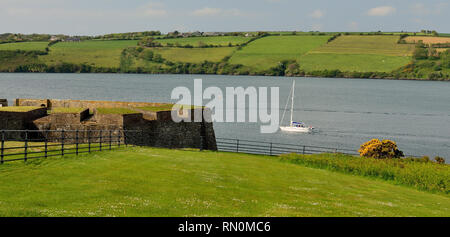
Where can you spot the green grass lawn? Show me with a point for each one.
(214, 40)
(194, 55)
(267, 52)
(116, 111)
(18, 108)
(160, 182)
(95, 52)
(24, 46)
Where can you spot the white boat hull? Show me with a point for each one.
(296, 129)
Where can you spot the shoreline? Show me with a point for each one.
(305, 76)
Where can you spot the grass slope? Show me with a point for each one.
(94, 52)
(217, 40)
(267, 52)
(24, 46)
(161, 182)
(359, 53)
(195, 55)
(352, 62)
(355, 44)
(427, 39)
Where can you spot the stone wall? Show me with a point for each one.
(91, 104)
(3, 102)
(158, 128)
(20, 121)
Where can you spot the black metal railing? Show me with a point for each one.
(272, 149)
(32, 144)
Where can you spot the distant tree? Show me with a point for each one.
(126, 61)
(420, 51)
(149, 42)
(147, 55)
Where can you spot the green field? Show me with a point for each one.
(214, 40)
(267, 52)
(355, 44)
(195, 55)
(359, 53)
(24, 46)
(352, 62)
(95, 52)
(161, 182)
(379, 53)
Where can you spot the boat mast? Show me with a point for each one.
(292, 103)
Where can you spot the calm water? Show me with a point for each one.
(347, 112)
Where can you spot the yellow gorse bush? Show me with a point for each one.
(377, 149)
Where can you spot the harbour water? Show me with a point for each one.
(347, 112)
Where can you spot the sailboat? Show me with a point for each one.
(299, 127)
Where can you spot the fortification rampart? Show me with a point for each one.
(157, 127)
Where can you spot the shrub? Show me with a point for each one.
(377, 149)
(439, 160)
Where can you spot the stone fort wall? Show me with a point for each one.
(157, 128)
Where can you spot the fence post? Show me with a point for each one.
(45, 144)
(270, 149)
(26, 146)
(118, 139)
(125, 138)
(62, 142)
(237, 145)
(142, 137)
(201, 143)
(2, 152)
(76, 142)
(89, 141)
(304, 148)
(110, 139)
(101, 137)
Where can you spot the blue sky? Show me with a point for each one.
(93, 17)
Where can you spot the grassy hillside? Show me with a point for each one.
(355, 44)
(359, 53)
(356, 54)
(216, 40)
(195, 55)
(352, 62)
(427, 39)
(160, 182)
(95, 52)
(24, 46)
(267, 52)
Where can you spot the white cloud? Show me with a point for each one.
(317, 14)
(154, 10)
(381, 11)
(208, 11)
(419, 8)
(353, 26)
(422, 9)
